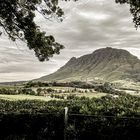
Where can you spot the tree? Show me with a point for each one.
(39, 90)
(134, 9)
(17, 20)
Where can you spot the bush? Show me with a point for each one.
(26, 91)
(8, 91)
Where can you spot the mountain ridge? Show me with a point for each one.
(105, 64)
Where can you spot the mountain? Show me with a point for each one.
(106, 64)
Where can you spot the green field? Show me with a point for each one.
(24, 97)
(47, 98)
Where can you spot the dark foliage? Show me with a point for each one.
(106, 118)
(75, 84)
(31, 126)
(17, 20)
(134, 9)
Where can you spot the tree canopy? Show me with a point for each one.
(134, 9)
(17, 20)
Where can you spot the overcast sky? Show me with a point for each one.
(88, 25)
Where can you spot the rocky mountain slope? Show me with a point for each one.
(106, 64)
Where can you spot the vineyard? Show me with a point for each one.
(104, 118)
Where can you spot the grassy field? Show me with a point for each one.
(91, 95)
(24, 97)
(47, 98)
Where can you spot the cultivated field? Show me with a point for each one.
(24, 97)
(47, 98)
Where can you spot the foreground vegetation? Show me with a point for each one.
(106, 118)
(35, 111)
(122, 105)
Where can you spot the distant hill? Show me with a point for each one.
(106, 64)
